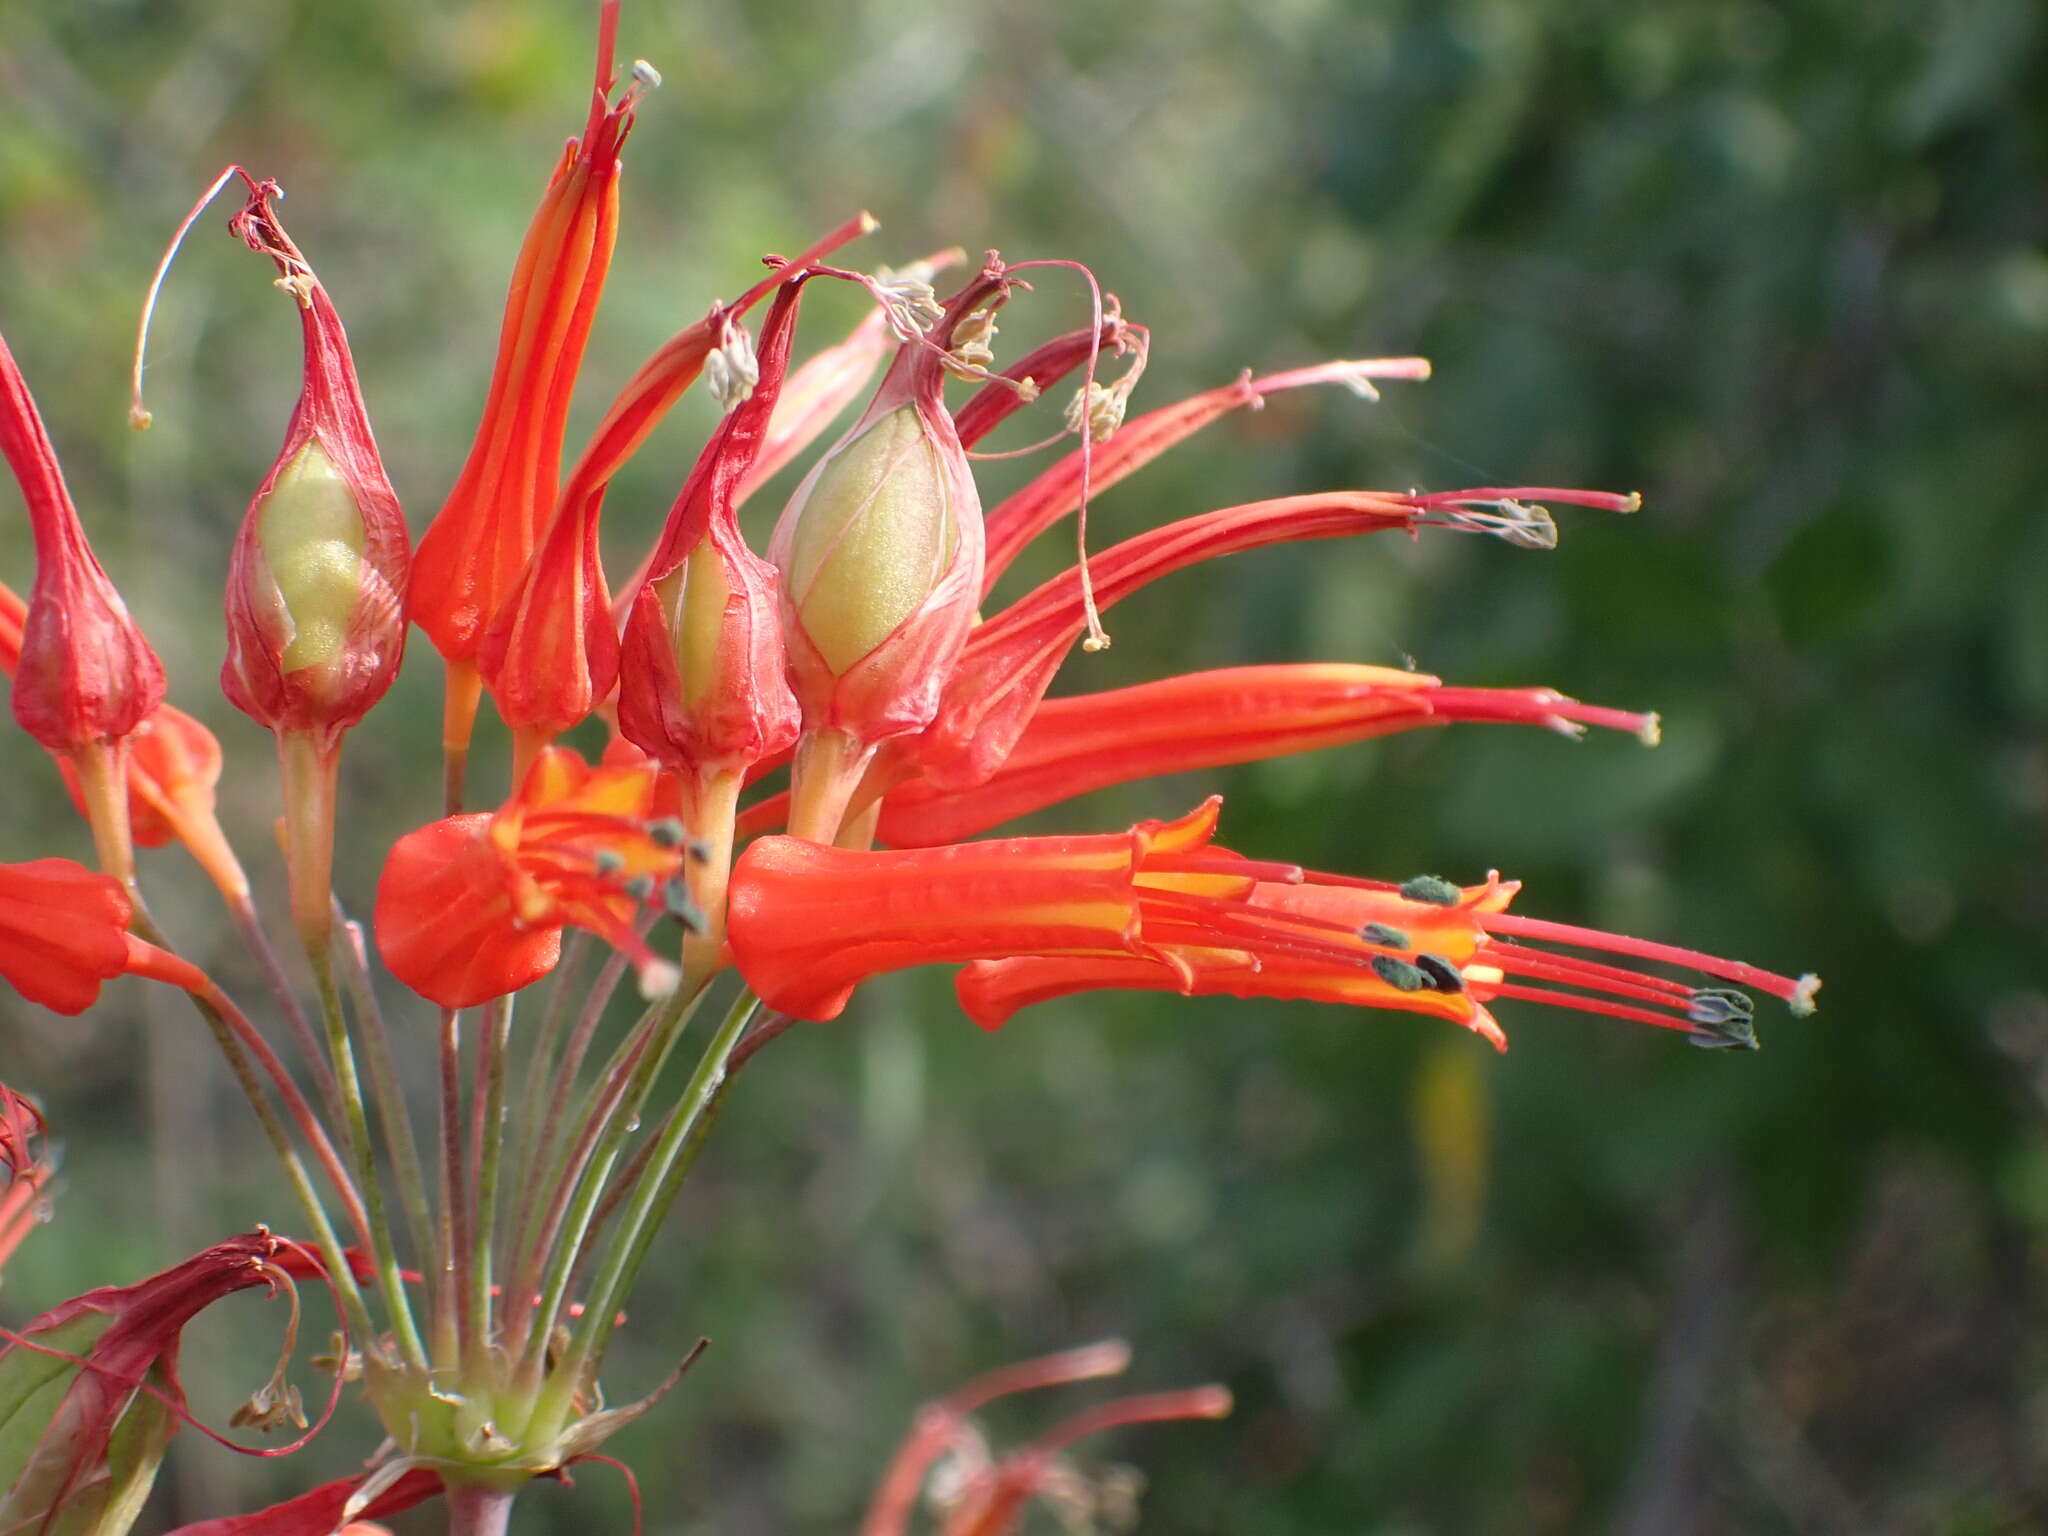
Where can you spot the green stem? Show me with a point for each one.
(540, 1060)
(245, 1048)
(383, 1254)
(352, 1303)
(453, 1234)
(385, 1084)
(479, 1509)
(629, 1244)
(487, 1142)
(550, 1169)
(250, 927)
(629, 1079)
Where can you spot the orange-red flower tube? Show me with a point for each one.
(1158, 908)
(1424, 946)
(1056, 492)
(478, 547)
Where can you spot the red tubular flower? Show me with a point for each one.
(1056, 492)
(991, 1496)
(996, 1498)
(1009, 662)
(113, 1355)
(86, 675)
(1207, 720)
(64, 931)
(473, 555)
(317, 581)
(472, 907)
(1425, 946)
(1160, 909)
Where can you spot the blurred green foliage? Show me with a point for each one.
(1781, 267)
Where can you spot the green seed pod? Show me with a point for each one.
(310, 529)
(870, 535)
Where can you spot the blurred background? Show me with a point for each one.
(1780, 267)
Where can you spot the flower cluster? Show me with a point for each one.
(807, 742)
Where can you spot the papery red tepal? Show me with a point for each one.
(319, 1512)
(25, 1169)
(87, 1461)
(317, 581)
(86, 673)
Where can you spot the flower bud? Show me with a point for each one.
(317, 580)
(86, 675)
(881, 549)
(701, 678)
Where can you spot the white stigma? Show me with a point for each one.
(658, 979)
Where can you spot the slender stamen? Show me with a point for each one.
(1097, 637)
(1485, 495)
(1526, 963)
(1796, 991)
(1500, 951)
(138, 415)
(1590, 1005)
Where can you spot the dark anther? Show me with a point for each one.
(1399, 974)
(668, 832)
(1434, 890)
(675, 897)
(1732, 1033)
(1443, 976)
(608, 863)
(698, 849)
(641, 887)
(1715, 1006)
(1380, 933)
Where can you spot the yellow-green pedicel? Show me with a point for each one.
(311, 532)
(873, 539)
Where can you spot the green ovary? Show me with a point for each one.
(693, 597)
(873, 538)
(311, 532)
